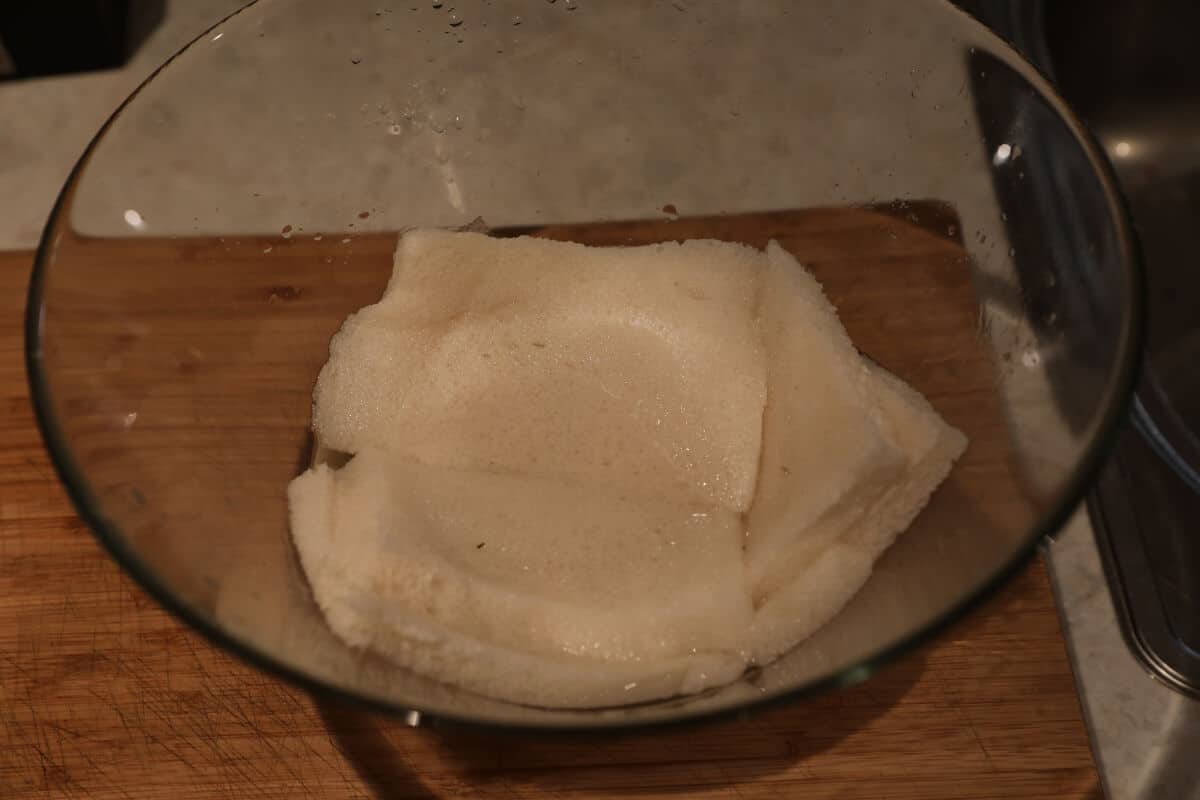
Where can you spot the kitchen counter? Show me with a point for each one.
(1145, 734)
(104, 695)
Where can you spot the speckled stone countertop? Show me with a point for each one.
(1145, 735)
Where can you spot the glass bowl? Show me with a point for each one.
(248, 196)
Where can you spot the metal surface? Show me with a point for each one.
(1130, 69)
(1142, 98)
(1132, 72)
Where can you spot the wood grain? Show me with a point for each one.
(104, 695)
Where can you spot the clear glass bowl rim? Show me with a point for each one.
(1116, 405)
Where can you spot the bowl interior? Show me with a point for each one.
(248, 197)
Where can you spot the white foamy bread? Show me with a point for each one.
(824, 451)
(526, 589)
(856, 534)
(584, 477)
(637, 369)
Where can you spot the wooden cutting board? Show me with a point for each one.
(104, 695)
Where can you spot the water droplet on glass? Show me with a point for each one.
(458, 121)
(437, 126)
(1004, 216)
(437, 3)
(455, 20)
(394, 129)
(1012, 251)
(1031, 358)
(516, 20)
(571, 5)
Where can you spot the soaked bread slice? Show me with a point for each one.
(581, 477)
(626, 590)
(824, 447)
(856, 534)
(636, 369)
